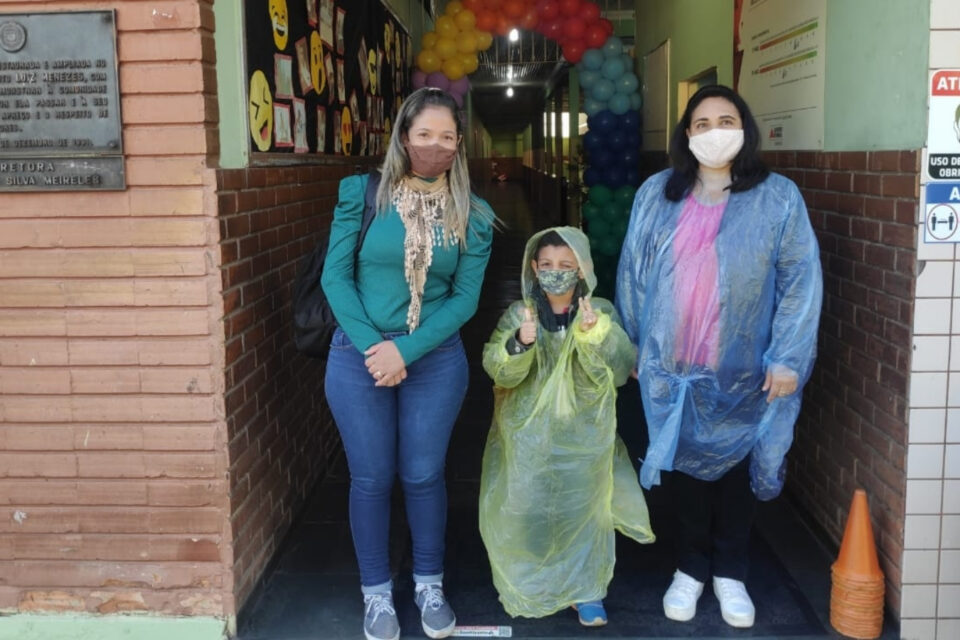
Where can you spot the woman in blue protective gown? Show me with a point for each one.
(719, 286)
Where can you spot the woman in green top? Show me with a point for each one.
(397, 372)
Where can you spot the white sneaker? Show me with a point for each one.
(735, 603)
(680, 600)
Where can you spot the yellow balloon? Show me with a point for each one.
(446, 48)
(484, 40)
(453, 69)
(428, 61)
(429, 40)
(466, 20)
(446, 27)
(469, 62)
(467, 43)
(454, 8)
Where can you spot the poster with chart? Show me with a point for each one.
(781, 53)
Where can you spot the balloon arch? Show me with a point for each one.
(612, 101)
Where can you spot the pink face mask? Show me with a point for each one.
(430, 160)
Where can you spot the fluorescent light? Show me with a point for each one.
(510, 72)
(509, 92)
(514, 35)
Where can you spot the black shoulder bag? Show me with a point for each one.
(313, 321)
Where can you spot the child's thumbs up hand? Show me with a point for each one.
(528, 330)
(588, 317)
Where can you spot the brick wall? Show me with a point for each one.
(113, 463)
(853, 429)
(281, 435)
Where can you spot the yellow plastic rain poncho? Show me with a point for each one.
(556, 478)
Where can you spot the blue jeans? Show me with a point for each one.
(389, 430)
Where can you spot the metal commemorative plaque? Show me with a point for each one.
(60, 127)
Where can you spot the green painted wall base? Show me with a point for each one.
(115, 627)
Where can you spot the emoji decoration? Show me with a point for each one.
(346, 131)
(372, 70)
(317, 74)
(260, 111)
(280, 20)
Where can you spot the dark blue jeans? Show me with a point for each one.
(401, 430)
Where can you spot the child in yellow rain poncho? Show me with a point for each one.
(556, 478)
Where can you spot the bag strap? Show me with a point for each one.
(369, 207)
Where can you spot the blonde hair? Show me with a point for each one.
(396, 164)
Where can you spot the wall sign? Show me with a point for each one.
(942, 220)
(60, 127)
(943, 128)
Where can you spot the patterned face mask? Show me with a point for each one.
(556, 281)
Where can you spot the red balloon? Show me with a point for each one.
(473, 5)
(573, 29)
(589, 12)
(570, 8)
(548, 10)
(486, 20)
(503, 25)
(491, 5)
(513, 9)
(553, 30)
(595, 36)
(573, 50)
(607, 26)
(529, 19)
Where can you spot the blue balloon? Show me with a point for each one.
(627, 62)
(632, 178)
(591, 176)
(616, 140)
(629, 157)
(588, 78)
(612, 47)
(592, 59)
(627, 83)
(602, 122)
(636, 102)
(633, 139)
(614, 176)
(612, 69)
(603, 90)
(601, 158)
(591, 106)
(630, 121)
(593, 142)
(619, 103)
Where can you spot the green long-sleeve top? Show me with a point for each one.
(372, 297)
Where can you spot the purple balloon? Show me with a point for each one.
(460, 86)
(418, 79)
(458, 99)
(438, 80)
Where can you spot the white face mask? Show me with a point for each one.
(717, 148)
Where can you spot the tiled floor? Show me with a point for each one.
(312, 591)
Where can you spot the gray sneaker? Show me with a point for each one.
(436, 616)
(379, 617)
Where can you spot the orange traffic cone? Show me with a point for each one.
(856, 599)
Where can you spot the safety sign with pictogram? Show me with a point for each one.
(942, 220)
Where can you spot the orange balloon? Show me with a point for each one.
(453, 69)
(467, 43)
(453, 8)
(470, 62)
(503, 25)
(484, 40)
(513, 9)
(446, 27)
(429, 40)
(472, 5)
(466, 20)
(428, 61)
(486, 20)
(446, 48)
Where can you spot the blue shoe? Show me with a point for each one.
(592, 614)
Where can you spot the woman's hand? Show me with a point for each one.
(385, 364)
(780, 382)
(528, 330)
(588, 317)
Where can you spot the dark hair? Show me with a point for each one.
(748, 169)
(549, 239)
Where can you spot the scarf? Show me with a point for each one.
(421, 204)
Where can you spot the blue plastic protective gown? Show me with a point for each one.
(703, 421)
(556, 480)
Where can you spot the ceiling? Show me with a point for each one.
(532, 65)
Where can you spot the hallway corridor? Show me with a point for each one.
(311, 590)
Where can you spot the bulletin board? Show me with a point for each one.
(324, 77)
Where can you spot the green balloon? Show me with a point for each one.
(590, 210)
(600, 194)
(612, 213)
(624, 196)
(609, 246)
(599, 228)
